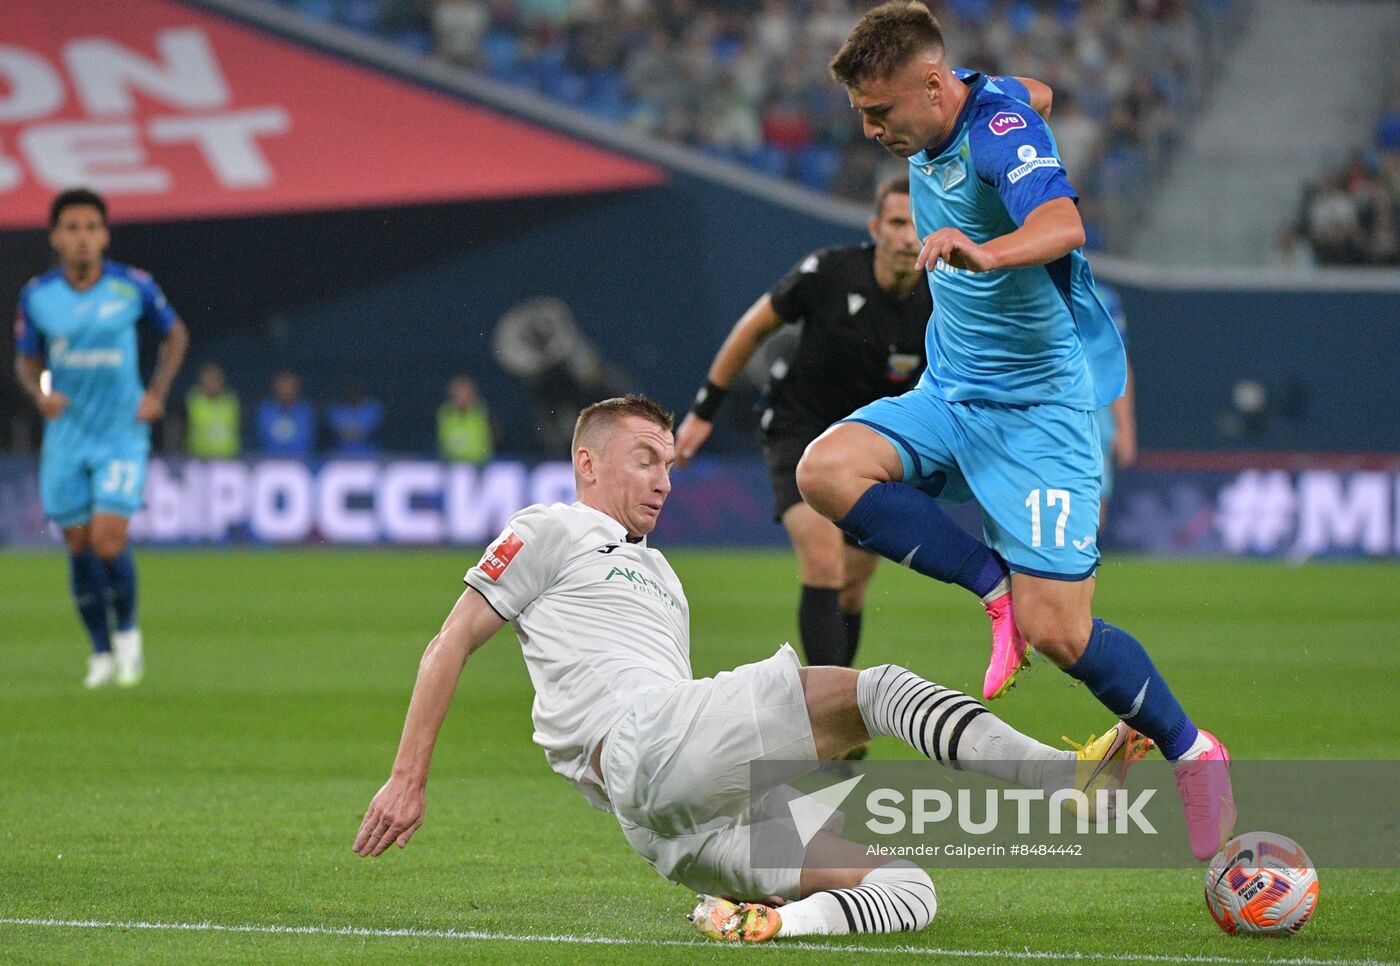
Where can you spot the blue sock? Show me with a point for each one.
(1121, 675)
(89, 583)
(121, 584)
(908, 526)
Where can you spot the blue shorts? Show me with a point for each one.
(1034, 469)
(103, 477)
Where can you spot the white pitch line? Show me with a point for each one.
(472, 934)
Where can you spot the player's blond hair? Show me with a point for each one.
(884, 40)
(602, 416)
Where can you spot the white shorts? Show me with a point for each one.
(677, 772)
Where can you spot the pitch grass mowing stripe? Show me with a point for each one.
(470, 934)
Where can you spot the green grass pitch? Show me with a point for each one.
(227, 788)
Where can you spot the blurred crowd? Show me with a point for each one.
(746, 80)
(288, 425)
(1348, 216)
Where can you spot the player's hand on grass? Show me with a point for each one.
(150, 408)
(52, 404)
(393, 816)
(955, 248)
(691, 436)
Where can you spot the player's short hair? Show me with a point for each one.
(76, 196)
(884, 40)
(603, 414)
(895, 184)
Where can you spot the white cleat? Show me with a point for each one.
(131, 665)
(101, 670)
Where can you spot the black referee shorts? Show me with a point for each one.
(782, 453)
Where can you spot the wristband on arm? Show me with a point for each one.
(708, 401)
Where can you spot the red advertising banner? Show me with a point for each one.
(176, 113)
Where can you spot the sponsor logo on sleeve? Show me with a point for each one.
(1027, 154)
(498, 558)
(1005, 122)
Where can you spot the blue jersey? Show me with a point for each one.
(88, 341)
(1023, 336)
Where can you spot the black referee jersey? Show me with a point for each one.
(858, 341)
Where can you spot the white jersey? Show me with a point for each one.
(599, 619)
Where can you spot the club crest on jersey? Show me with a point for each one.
(1005, 122)
(854, 302)
(498, 558)
(953, 174)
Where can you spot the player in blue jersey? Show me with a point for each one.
(1021, 353)
(1118, 420)
(79, 320)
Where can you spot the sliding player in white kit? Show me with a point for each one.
(605, 630)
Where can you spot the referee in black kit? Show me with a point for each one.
(864, 310)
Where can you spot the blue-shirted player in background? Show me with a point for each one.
(79, 320)
(1021, 354)
(1118, 420)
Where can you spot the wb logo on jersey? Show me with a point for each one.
(1026, 153)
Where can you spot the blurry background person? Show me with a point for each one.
(354, 421)
(464, 430)
(286, 422)
(213, 413)
(1118, 420)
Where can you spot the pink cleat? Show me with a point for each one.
(1009, 651)
(1204, 786)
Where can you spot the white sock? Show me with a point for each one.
(1198, 748)
(898, 897)
(950, 727)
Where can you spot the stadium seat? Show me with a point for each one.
(316, 9)
(361, 15)
(769, 159)
(501, 52)
(816, 166)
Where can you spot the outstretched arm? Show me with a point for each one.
(753, 327)
(397, 810)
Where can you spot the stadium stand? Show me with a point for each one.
(746, 80)
(1348, 216)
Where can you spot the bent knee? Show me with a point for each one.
(77, 541)
(1060, 639)
(818, 471)
(108, 547)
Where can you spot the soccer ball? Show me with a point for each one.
(1261, 884)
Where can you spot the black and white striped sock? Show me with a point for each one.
(950, 727)
(898, 897)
